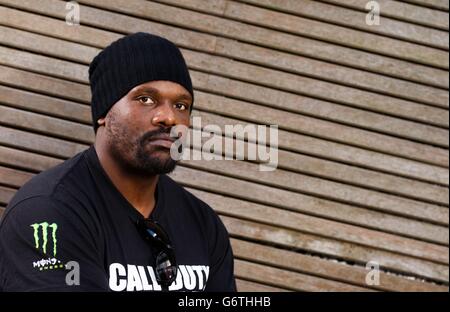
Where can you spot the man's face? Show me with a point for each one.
(138, 126)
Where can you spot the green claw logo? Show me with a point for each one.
(45, 226)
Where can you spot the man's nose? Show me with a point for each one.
(164, 116)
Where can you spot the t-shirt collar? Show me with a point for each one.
(94, 162)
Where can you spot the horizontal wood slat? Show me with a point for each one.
(267, 196)
(419, 151)
(187, 38)
(6, 194)
(338, 13)
(13, 177)
(403, 10)
(346, 252)
(289, 141)
(339, 34)
(435, 4)
(285, 259)
(27, 160)
(22, 139)
(309, 185)
(44, 84)
(45, 145)
(46, 105)
(426, 96)
(344, 153)
(323, 267)
(287, 160)
(246, 32)
(247, 286)
(295, 281)
(308, 105)
(362, 115)
(389, 27)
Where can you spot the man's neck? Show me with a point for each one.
(138, 190)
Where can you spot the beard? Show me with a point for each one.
(139, 157)
(153, 159)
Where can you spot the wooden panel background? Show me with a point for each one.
(362, 113)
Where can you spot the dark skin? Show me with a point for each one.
(128, 141)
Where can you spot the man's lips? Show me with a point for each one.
(163, 141)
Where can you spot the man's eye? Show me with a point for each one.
(145, 100)
(181, 106)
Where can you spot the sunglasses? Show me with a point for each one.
(166, 266)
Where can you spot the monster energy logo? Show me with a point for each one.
(45, 230)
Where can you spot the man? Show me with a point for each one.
(110, 215)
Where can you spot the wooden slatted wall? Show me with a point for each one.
(362, 113)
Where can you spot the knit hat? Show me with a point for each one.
(130, 61)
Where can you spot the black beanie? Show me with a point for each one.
(130, 61)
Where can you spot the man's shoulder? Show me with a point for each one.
(179, 191)
(43, 186)
(192, 204)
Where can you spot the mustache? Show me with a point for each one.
(157, 133)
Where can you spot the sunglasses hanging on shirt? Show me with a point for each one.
(166, 266)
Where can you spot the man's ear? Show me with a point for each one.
(101, 121)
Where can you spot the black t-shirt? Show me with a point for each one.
(73, 212)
